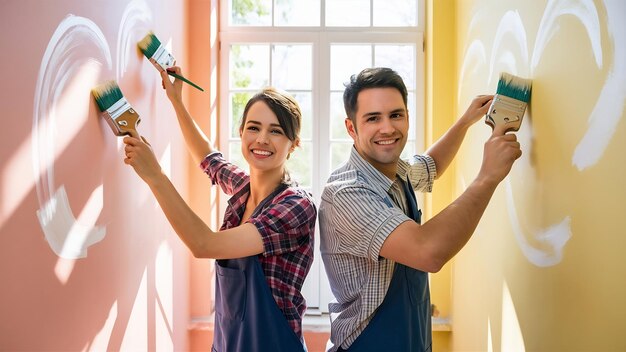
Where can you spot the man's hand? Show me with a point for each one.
(477, 109)
(501, 150)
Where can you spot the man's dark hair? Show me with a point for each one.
(376, 77)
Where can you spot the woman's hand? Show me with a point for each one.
(140, 156)
(173, 89)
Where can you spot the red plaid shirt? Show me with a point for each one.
(287, 228)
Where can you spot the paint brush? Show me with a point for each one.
(160, 57)
(509, 103)
(116, 110)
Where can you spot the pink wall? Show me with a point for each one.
(128, 290)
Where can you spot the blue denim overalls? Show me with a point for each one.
(403, 321)
(247, 317)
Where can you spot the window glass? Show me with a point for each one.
(300, 164)
(305, 100)
(348, 13)
(292, 66)
(346, 60)
(395, 13)
(250, 12)
(297, 13)
(249, 66)
(399, 57)
(237, 105)
(337, 117)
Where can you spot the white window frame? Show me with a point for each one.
(317, 290)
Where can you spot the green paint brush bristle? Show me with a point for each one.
(107, 94)
(514, 87)
(149, 45)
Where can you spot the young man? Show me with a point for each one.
(376, 252)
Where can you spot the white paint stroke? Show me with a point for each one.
(551, 240)
(609, 108)
(135, 24)
(67, 237)
(64, 55)
(510, 25)
(584, 10)
(473, 60)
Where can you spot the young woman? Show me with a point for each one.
(265, 245)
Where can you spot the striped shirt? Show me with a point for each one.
(287, 227)
(360, 207)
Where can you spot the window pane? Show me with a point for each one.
(250, 12)
(292, 66)
(237, 105)
(305, 100)
(346, 60)
(347, 13)
(300, 164)
(413, 128)
(400, 58)
(409, 150)
(235, 156)
(395, 13)
(297, 13)
(249, 66)
(339, 154)
(337, 117)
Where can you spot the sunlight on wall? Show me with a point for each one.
(164, 282)
(489, 336)
(512, 338)
(166, 161)
(136, 334)
(100, 342)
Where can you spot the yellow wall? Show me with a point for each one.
(440, 114)
(545, 268)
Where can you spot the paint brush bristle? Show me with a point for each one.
(107, 94)
(149, 45)
(514, 87)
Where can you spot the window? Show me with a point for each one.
(310, 48)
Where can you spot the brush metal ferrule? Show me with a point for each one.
(505, 111)
(162, 58)
(121, 117)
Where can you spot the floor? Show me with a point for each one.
(201, 340)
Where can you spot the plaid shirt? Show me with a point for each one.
(286, 226)
(360, 207)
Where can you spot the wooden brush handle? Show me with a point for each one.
(125, 123)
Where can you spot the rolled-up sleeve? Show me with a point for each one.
(227, 175)
(364, 220)
(422, 172)
(281, 224)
